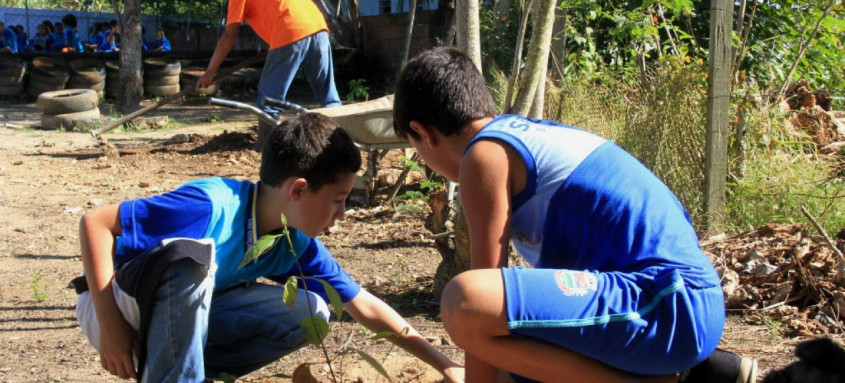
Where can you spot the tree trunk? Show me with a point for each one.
(130, 58)
(559, 40)
(538, 57)
(468, 29)
(406, 49)
(517, 56)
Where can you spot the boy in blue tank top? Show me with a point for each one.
(619, 290)
(167, 295)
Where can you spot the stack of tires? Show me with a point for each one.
(71, 109)
(47, 75)
(161, 77)
(12, 71)
(113, 79)
(188, 80)
(88, 74)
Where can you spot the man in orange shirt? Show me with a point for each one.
(298, 36)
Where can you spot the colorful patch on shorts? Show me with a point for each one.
(575, 283)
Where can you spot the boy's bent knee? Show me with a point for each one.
(474, 300)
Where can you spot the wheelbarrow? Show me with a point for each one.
(369, 124)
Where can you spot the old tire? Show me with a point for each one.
(34, 88)
(87, 71)
(72, 84)
(67, 101)
(71, 121)
(11, 90)
(48, 70)
(12, 71)
(162, 67)
(161, 80)
(12, 66)
(161, 91)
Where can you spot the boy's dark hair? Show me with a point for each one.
(440, 88)
(69, 20)
(311, 146)
(48, 25)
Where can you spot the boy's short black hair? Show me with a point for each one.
(69, 20)
(311, 146)
(440, 88)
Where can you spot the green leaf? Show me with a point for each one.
(291, 291)
(334, 297)
(382, 335)
(373, 363)
(316, 329)
(265, 243)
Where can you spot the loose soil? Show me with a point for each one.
(48, 179)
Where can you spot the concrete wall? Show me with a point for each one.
(384, 37)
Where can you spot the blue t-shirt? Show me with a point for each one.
(589, 205)
(9, 40)
(163, 43)
(72, 40)
(224, 211)
(59, 41)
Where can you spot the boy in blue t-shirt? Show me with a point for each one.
(161, 44)
(71, 37)
(168, 285)
(619, 290)
(8, 39)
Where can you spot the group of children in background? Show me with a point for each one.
(64, 37)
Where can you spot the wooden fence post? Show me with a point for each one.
(718, 113)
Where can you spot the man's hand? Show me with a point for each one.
(118, 345)
(206, 80)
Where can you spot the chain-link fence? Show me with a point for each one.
(185, 33)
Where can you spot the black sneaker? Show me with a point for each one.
(722, 367)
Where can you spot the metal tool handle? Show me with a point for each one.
(285, 105)
(239, 105)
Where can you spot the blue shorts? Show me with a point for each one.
(647, 325)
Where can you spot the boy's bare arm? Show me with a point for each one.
(376, 315)
(97, 231)
(486, 190)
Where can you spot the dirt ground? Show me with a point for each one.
(48, 179)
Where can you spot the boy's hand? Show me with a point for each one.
(118, 345)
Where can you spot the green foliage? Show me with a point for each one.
(416, 200)
(357, 90)
(316, 329)
(38, 292)
(778, 31)
(784, 173)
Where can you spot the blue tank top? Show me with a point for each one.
(589, 205)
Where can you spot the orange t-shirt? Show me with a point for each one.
(278, 22)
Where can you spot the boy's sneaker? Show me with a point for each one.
(722, 367)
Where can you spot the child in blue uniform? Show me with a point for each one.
(619, 290)
(161, 44)
(167, 288)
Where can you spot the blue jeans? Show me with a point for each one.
(194, 333)
(314, 55)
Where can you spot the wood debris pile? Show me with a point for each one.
(782, 275)
(810, 114)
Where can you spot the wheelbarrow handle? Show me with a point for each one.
(239, 105)
(285, 105)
